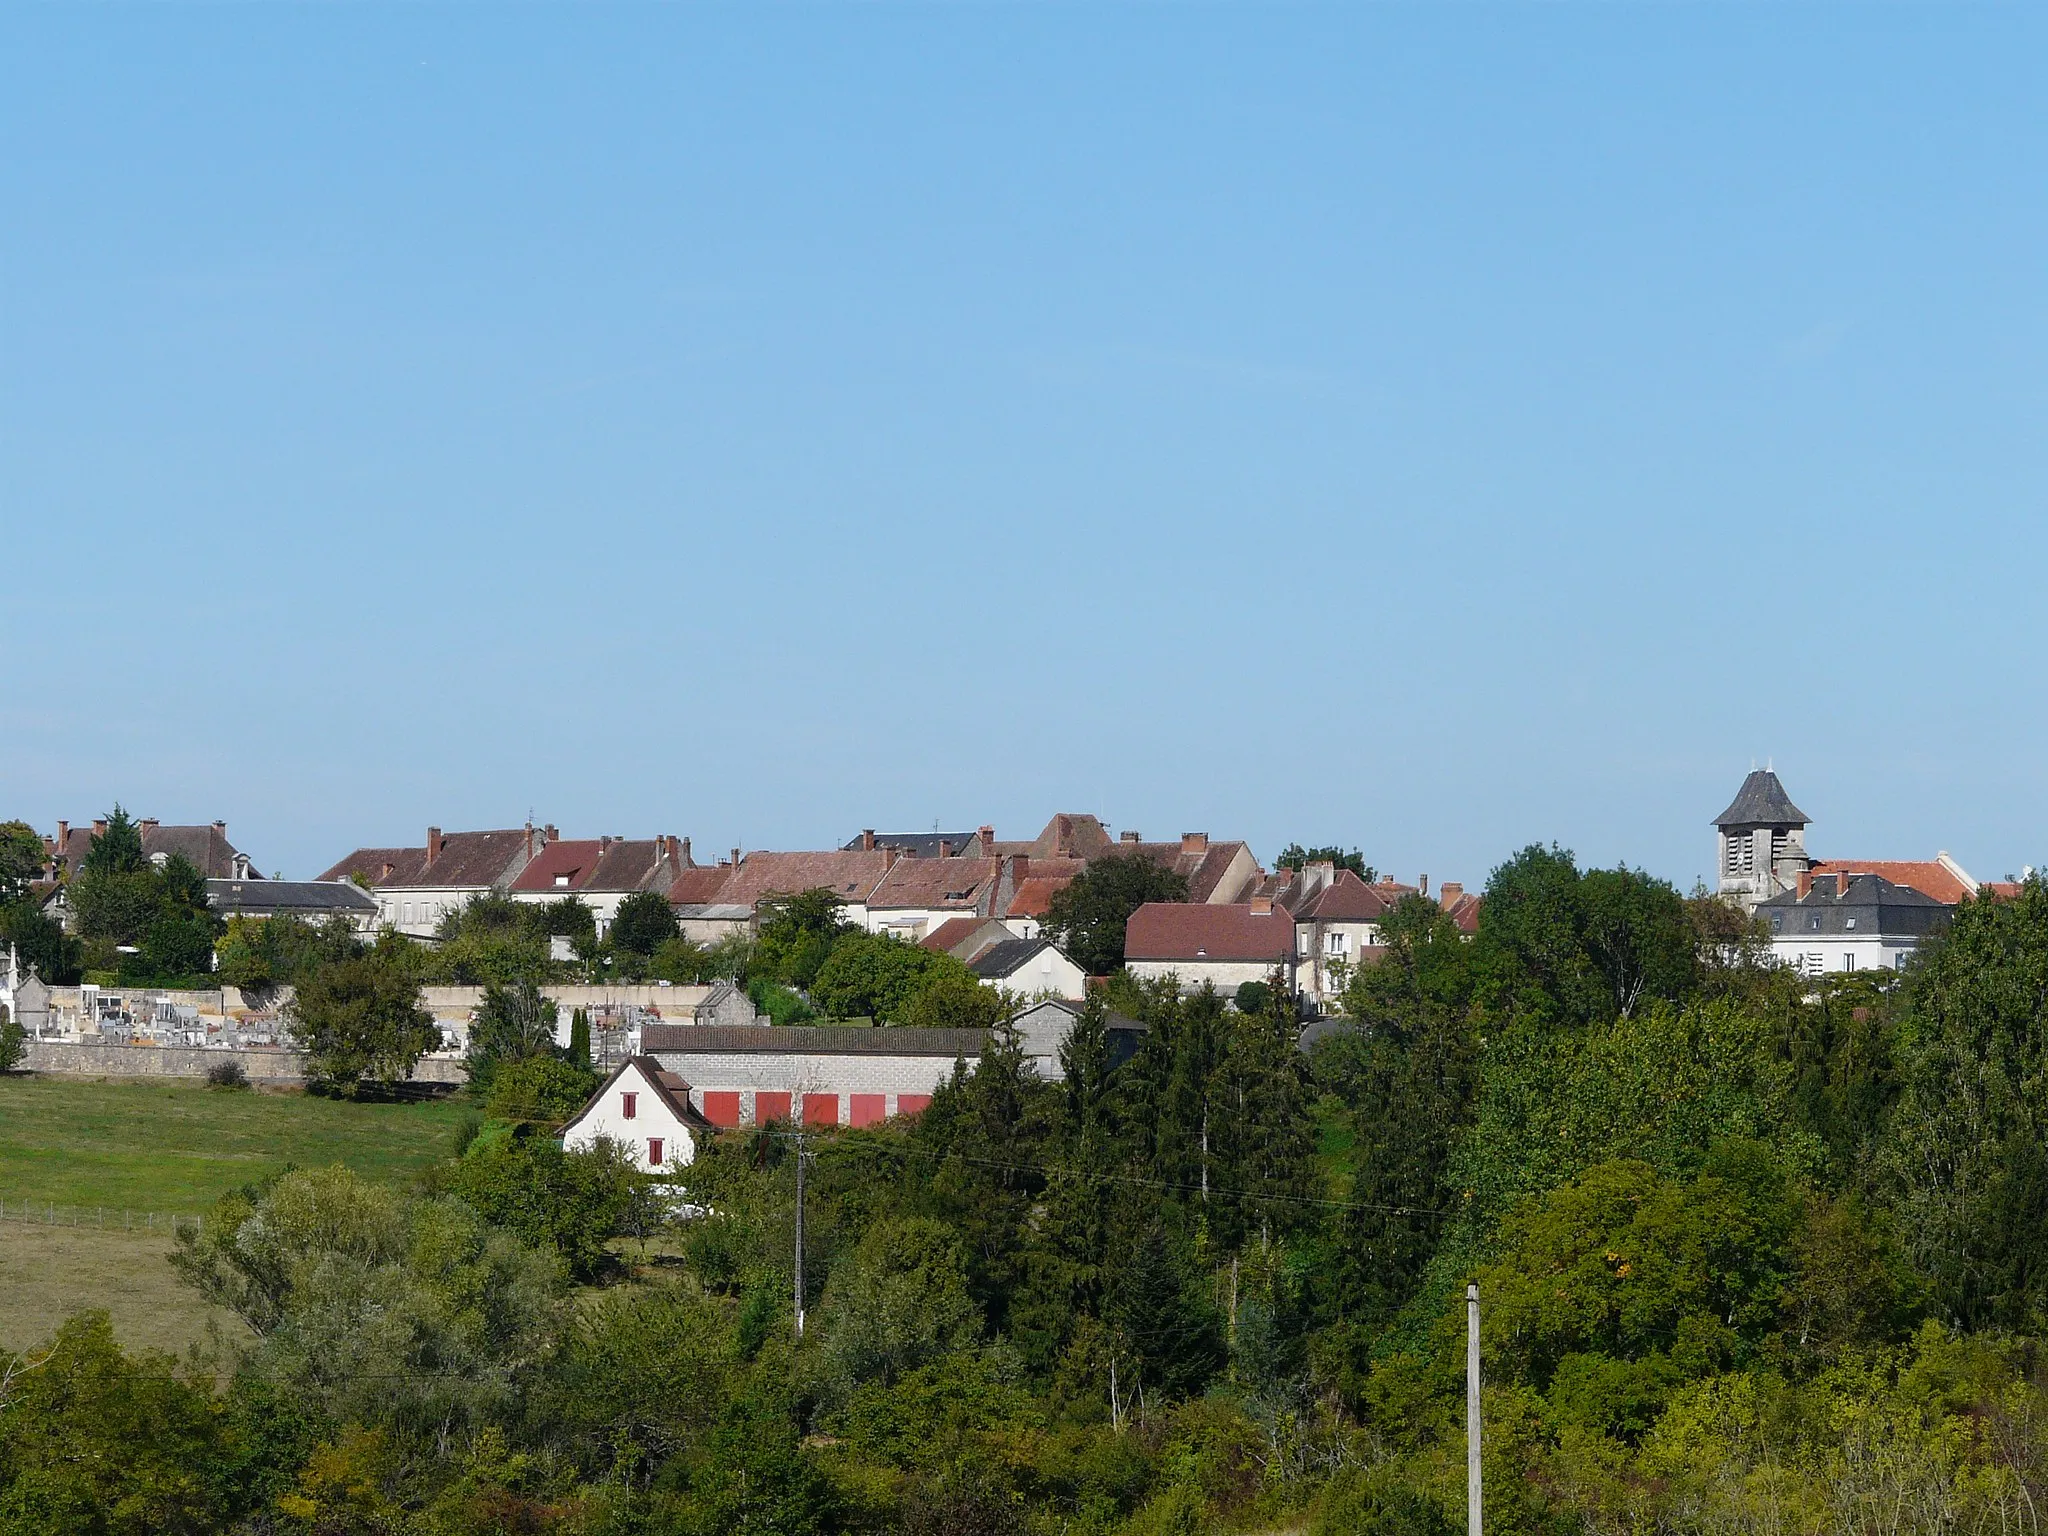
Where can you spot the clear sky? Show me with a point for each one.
(1431, 428)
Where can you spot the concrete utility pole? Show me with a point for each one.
(1474, 1523)
(800, 1235)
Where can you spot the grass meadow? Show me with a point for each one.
(104, 1153)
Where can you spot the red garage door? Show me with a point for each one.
(722, 1108)
(821, 1109)
(911, 1103)
(869, 1109)
(770, 1106)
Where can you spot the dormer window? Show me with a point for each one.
(561, 880)
(1852, 922)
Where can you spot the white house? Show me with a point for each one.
(1221, 944)
(416, 887)
(601, 872)
(646, 1109)
(1032, 967)
(1849, 922)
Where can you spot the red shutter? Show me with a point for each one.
(821, 1109)
(654, 1150)
(869, 1109)
(629, 1104)
(770, 1106)
(722, 1108)
(912, 1103)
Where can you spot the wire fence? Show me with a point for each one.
(104, 1218)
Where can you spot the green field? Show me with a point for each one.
(99, 1151)
(177, 1146)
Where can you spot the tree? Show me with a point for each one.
(543, 1088)
(1294, 856)
(1087, 917)
(512, 1023)
(12, 1048)
(22, 860)
(39, 940)
(579, 1038)
(572, 1202)
(953, 999)
(901, 1301)
(797, 935)
(360, 1019)
(871, 975)
(644, 922)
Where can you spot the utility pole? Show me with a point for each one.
(1474, 1525)
(799, 1235)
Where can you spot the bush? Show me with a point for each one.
(569, 1201)
(543, 1088)
(227, 1074)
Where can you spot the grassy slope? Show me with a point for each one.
(177, 1146)
(163, 1146)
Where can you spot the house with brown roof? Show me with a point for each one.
(602, 872)
(206, 847)
(416, 887)
(1219, 944)
(1336, 925)
(702, 915)
(646, 1109)
(916, 895)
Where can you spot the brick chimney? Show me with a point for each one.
(988, 839)
(686, 861)
(433, 844)
(551, 834)
(149, 824)
(1803, 886)
(99, 825)
(1422, 884)
(220, 826)
(735, 858)
(63, 835)
(1842, 885)
(1194, 842)
(945, 849)
(1449, 892)
(1262, 906)
(1132, 837)
(867, 840)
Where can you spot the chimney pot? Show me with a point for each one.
(867, 840)
(220, 826)
(988, 839)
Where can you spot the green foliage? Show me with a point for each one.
(94, 1441)
(12, 1044)
(571, 1202)
(513, 1023)
(579, 1038)
(900, 1301)
(1294, 856)
(22, 860)
(797, 935)
(1086, 919)
(644, 922)
(1965, 1155)
(40, 941)
(542, 1088)
(359, 1020)
(151, 923)
(956, 999)
(870, 975)
(260, 954)
(782, 1004)
(492, 941)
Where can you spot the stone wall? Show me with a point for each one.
(70, 1059)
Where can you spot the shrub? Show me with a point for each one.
(544, 1088)
(227, 1074)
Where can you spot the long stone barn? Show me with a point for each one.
(830, 1075)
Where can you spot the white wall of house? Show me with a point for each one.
(911, 923)
(1326, 954)
(1047, 972)
(1226, 976)
(418, 909)
(628, 1111)
(1820, 954)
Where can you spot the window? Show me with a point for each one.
(1813, 922)
(1815, 964)
(1339, 943)
(1777, 922)
(561, 879)
(1849, 961)
(629, 1105)
(654, 1151)
(1301, 947)
(1851, 922)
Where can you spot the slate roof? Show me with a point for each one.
(1172, 930)
(1893, 909)
(1006, 958)
(805, 1039)
(263, 898)
(936, 884)
(1761, 801)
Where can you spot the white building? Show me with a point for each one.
(1849, 922)
(1031, 968)
(826, 1074)
(645, 1109)
(416, 887)
(1223, 945)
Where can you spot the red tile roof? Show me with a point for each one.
(697, 887)
(938, 884)
(1348, 899)
(959, 932)
(399, 865)
(1930, 877)
(1036, 890)
(849, 876)
(574, 857)
(1165, 930)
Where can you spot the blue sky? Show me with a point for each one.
(1431, 428)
